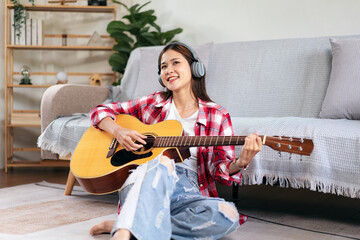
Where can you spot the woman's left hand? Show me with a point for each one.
(252, 146)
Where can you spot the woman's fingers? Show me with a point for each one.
(254, 141)
(131, 140)
(140, 138)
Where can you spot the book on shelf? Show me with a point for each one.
(28, 38)
(22, 37)
(40, 31)
(12, 30)
(31, 31)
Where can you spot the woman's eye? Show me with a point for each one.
(176, 62)
(163, 66)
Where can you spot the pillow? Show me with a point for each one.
(148, 71)
(342, 99)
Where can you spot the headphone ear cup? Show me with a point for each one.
(161, 82)
(197, 69)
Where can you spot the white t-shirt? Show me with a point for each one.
(188, 125)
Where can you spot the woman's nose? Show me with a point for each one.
(170, 69)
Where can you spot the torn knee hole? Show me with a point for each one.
(167, 162)
(229, 211)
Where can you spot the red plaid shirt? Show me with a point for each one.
(212, 120)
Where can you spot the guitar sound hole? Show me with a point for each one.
(123, 157)
(150, 139)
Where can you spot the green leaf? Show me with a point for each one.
(123, 47)
(144, 29)
(133, 8)
(118, 62)
(122, 4)
(151, 38)
(169, 35)
(117, 26)
(121, 37)
(143, 5)
(157, 27)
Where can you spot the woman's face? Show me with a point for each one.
(175, 71)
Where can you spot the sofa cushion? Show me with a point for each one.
(342, 98)
(267, 78)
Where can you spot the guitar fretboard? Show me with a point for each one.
(199, 141)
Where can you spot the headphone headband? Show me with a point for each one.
(187, 46)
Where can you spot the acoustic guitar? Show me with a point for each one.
(101, 165)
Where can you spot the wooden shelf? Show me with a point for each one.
(49, 47)
(69, 74)
(27, 111)
(31, 118)
(25, 120)
(67, 8)
(27, 149)
(43, 163)
(28, 86)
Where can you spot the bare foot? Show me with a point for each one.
(122, 234)
(104, 227)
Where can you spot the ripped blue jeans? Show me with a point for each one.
(159, 205)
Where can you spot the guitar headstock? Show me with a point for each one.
(291, 145)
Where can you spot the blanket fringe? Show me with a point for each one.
(53, 147)
(292, 182)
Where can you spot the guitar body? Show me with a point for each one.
(101, 165)
(99, 174)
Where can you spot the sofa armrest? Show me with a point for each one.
(60, 100)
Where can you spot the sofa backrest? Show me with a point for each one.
(250, 79)
(270, 78)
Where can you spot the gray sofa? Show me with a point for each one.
(274, 87)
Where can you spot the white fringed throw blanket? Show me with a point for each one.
(63, 134)
(333, 167)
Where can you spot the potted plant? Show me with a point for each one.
(137, 29)
(19, 16)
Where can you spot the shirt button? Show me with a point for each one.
(201, 185)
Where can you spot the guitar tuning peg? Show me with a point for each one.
(301, 140)
(279, 153)
(301, 158)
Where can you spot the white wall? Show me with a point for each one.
(236, 20)
(224, 21)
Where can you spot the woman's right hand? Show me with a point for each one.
(127, 137)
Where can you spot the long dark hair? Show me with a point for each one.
(197, 84)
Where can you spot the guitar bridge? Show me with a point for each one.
(112, 148)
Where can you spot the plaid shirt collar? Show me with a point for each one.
(201, 119)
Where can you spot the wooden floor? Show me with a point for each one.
(18, 176)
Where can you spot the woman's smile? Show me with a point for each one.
(172, 79)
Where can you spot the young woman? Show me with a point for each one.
(161, 200)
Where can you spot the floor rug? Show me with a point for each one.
(31, 208)
(40, 211)
(49, 214)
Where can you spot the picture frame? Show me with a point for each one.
(97, 3)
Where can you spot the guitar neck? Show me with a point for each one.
(199, 141)
(283, 144)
